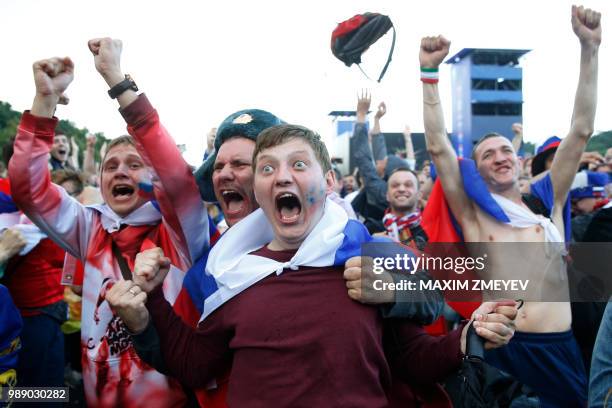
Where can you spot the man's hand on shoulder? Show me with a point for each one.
(360, 282)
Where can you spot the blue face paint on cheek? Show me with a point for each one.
(315, 194)
(311, 197)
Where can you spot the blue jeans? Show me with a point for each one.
(600, 386)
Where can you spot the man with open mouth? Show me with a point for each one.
(227, 177)
(107, 237)
(59, 153)
(277, 306)
(544, 324)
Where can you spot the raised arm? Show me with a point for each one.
(517, 140)
(410, 157)
(587, 27)
(74, 154)
(432, 53)
(375, 186)
(89, 164)
(379, 145)
(60, 216)
(176, 189)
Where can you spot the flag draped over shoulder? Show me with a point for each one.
(188, 305)
(441, 225)
(227, 269)
(438, 221)
(333, 240)
(196, 285)
(201, 292)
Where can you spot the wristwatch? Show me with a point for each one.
(121, 87)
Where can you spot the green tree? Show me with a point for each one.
(529, 148)
(9, 120)
(600, 142)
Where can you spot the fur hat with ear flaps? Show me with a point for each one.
(245, 123)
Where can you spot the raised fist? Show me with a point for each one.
(586, 25)
(380, 112)
(433, 51)
(150, 268)
(52, 77)
(517, 128)
(107, 58)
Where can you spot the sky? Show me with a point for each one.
(199, 61)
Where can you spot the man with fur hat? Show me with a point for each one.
(265, 309)
(227, 177)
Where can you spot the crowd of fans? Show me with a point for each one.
(139, 282)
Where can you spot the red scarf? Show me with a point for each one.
(398, 228)
(131, 239)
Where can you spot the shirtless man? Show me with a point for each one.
(498, 165)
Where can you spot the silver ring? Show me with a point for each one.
(132, 291)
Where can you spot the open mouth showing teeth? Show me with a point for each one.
(289, 207)
(122, 191)
(234, 201)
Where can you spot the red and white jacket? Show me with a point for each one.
(113, 374)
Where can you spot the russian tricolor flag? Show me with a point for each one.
(441, 226)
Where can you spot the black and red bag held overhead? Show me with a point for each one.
(353, 37)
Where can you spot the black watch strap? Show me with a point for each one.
(121, 87)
